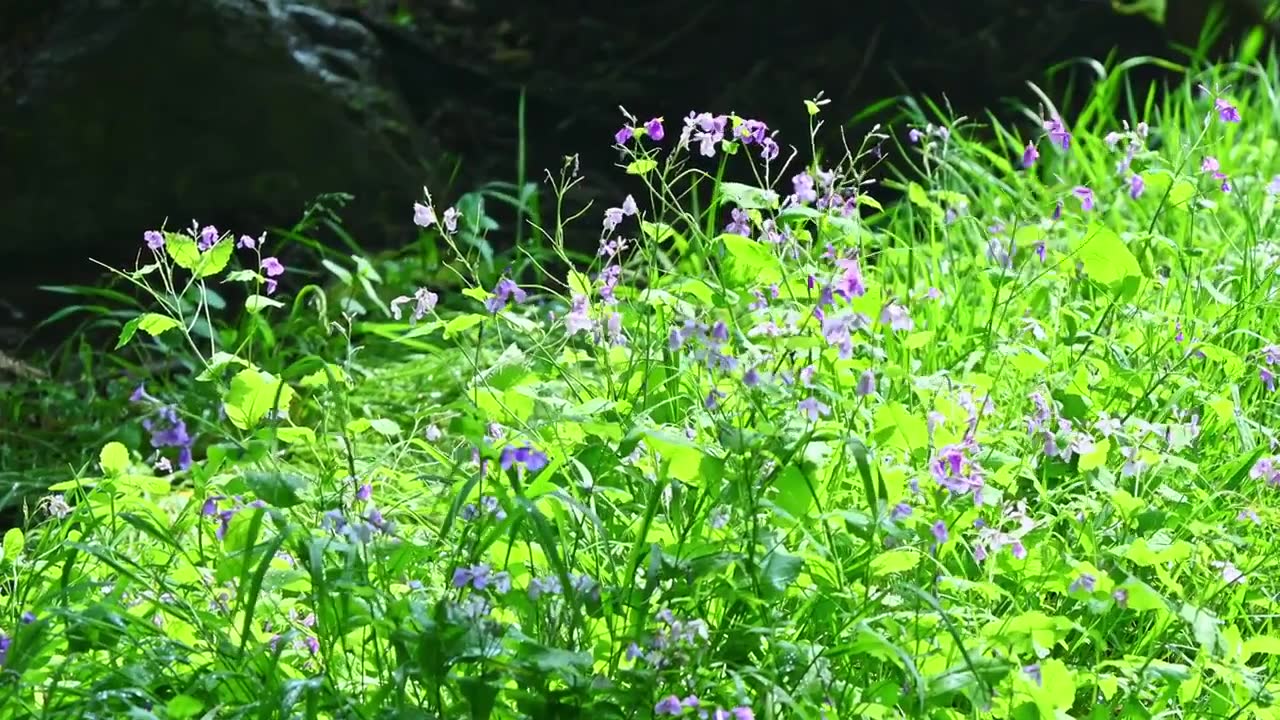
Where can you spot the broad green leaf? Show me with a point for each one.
(779, 571)
(685, 461)
(1107, 260)
(252, 395)
(153, 324)
(183, 707)
(894, 561)
(748, 197)
(918, 196)
(461, 324)
(753, 262)
(1260, 644)
(277, 489)
(13, 543)
(1030, 632)
(641, 166)
(918, 339)
(215, 259)
(895, 426)
(182, 250)
(255, 303)
(385, 426)
(113, 459)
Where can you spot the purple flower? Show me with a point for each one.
(742, 712)
(208, 238)
(1210, 164)
(1268, 378)
(1033, 672)
(451, 220)
(624, 135)
(939, 530)
(813, 408)
(953, 470)
(850, 283)
(502, 293)
(1018, 550)
(154, 239)
(533, 460)
(802, 185)
(1057, 132)
(914, 136)
(1121, 596)
(251, 243)
(654, 130)
(1085, 195)
(1230, 573)
(426, 302)
(769, 149)
(1249, 514)
(741, 224)
(423, 215)
(1273, 188)
(1030, 155)
(1226, 111)
(712, 401)
(1057, 211)
(577, 320)
(896, 317)
(1136, 186)
(364, 492)
(901, 511)
(669, 705)
(1085, 582)
(866, 384)
(272, 267)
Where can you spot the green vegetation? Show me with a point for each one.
(1002, 449)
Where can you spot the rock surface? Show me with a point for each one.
(115, 114)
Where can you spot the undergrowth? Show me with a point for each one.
(1003, 449)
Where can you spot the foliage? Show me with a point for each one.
(1003, 449)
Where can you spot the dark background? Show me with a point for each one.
(115, 115)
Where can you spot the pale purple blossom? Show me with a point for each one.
(1029, 155)
(154, 239)
(423, 215)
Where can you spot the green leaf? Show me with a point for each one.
(182, 707)
(461, 324)
(641, 166)
(255, 303)
(215, 259)
(918, 339)
(685, 461)
(282, 490)
(1261, 644)
(1107, 260)
(182, 250)
(154, 324)
(113, 459)
(894, 561)
(748, 197)
(384, 426)
(13, 543)
(779, 571)
(753, 262)
(812, 107)
(917, 195)
(896, 427)
(252, 395)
